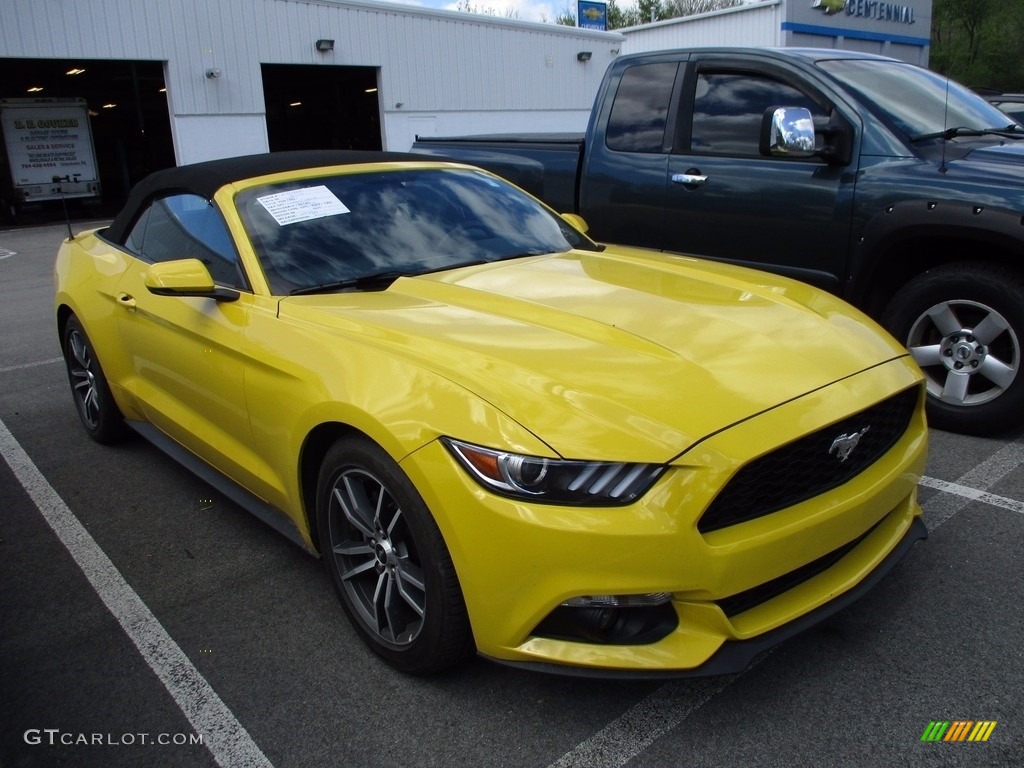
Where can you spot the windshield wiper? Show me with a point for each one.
(1010, 131)
(352, 282)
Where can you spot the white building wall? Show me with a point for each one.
(794, 23)
(758, 26)
(439, 72)
(901, 28)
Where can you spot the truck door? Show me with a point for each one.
(727, 201)
(623, 197)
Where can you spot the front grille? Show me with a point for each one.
(810, 466)
(744, 601)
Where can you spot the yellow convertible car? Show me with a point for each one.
(499, 435)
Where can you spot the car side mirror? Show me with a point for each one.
(185, 277)
(787, 132)
(576, 222)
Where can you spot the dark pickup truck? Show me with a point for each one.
(877, 180)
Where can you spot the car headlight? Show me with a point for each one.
(554, 481)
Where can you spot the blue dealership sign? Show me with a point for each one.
(591, 15)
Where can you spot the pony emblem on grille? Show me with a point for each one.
(844, 445)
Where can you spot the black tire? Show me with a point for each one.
(388, 560)
(964, 324)
(96, 408)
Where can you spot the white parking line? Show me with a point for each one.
(629, 735)
(979, 479)
(973, 494)
(6, 254)
(225, 738)
(51, 361)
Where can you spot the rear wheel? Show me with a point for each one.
(97, 410)
(964, 325)
(388, 561)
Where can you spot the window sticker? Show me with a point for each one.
(302, 205)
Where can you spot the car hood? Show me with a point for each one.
(644, 352)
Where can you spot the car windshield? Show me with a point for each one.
(328, 233)
(1013, 109)
(917, 101)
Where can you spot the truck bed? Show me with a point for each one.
(546, 165)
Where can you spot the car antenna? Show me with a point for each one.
(67, 218)
(945, 127)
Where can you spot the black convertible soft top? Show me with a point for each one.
(206, 178)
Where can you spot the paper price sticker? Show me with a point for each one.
(302, 205)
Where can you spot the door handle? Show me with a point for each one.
(126, 301)
(689, 179)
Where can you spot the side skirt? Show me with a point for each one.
(242, 497)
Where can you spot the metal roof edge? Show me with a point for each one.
(482, 19)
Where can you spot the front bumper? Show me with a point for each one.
(736, 655)
(517, 562)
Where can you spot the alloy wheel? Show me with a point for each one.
(969, 352)
(83, 379)
(377, 557)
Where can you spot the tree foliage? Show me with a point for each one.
(643, 12)
(979, 42)
(467, 6)
(646, 11)
(567, 18)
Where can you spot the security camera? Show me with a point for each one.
(212, 73)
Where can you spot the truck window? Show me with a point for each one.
(640, 110)
(728, 107)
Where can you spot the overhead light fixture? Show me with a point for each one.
(109, 106)
(584, 56)
(35, 89)
(325, 46)
(75, 71)
(295, 104)
(370, 90)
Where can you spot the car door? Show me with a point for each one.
(726, 200)
(186, 352)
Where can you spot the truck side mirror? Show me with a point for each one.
(787, 132)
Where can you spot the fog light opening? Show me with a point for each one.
(611, 619)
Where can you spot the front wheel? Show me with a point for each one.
(964, 325)
(388, 561)
(97, 410)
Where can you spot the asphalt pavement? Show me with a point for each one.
(146, 620)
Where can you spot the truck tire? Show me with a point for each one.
(964, 324)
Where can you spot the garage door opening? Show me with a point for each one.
(131, 130)
(320, 107)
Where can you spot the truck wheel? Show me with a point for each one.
(964, 324)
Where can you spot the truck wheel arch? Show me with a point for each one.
(908, 238)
